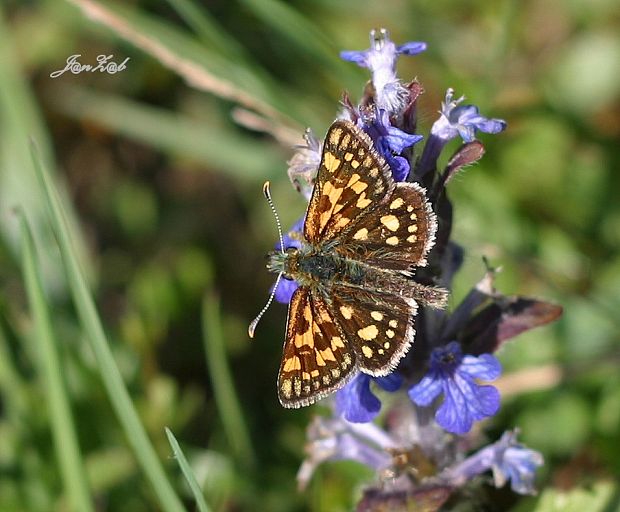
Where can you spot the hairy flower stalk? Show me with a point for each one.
(413, 427)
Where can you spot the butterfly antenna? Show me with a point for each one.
(267, 194)
(252, 326)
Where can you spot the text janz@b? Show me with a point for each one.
(105, 64)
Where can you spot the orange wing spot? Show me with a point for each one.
(367, 351)
(304, 339)
(335, 135)
(292, 364)
(368, 333)
(390, 333)
(390, 222)
(376, 315)
(397, 203)
(412, 239)
(331, 162)
(355, 164)
(353, 179)
(342, 222)
(412, 228)
(287, 388)
(361, 234)
(348, 157)
(305, 376)
(374, 172)
(319, 358)
(359, 187)
(393, 240)
(346, 140)
(392, 323)
(347, 312)
(337, 343)
(327, 354)
(314, 373)
(362, 202)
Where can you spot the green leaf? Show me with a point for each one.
(20, 119)
(187, 472)
(110, 374)
(63, 427)
(223, 386)
(205, 142)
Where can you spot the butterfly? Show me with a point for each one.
(355, 307)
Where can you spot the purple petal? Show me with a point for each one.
(359, 58)
(398, 140)
(399, 166)
(453, 414)
(411, 48)
(467, 132)
(519, 466)
(508, 459)
(491, 125)
(481, 401)
(465, 114)
(484, 367)
(425, 391)
(391, 382)
(356, 403)
(285, 290)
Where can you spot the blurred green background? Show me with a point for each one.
(161, 183)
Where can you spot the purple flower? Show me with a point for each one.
(390, 142)
(337, 439)
(454, 374)
(508, 459)
(381, 59)
(463, 120)
(292, 238)
(356, 403)
(303, 166)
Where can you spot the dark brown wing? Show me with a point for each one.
(316, 358)
(397, 235)
(352, 179)
(378, 326)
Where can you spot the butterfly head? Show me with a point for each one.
(284, 262)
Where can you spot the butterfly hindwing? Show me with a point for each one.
(379, 326)
(352, 180)
(397, 235)
(316, 359)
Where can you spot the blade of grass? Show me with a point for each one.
(20, 118)
(223, 385)
(205, 142)
(187, 472)
(281, 17)
(201, 67)
(110, 374)
(208, 30)
(12, 386)
(63, 428)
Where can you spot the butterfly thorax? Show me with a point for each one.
(315, 266)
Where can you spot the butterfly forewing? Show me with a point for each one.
(379, 326)
(397, 235)
(351, 181)
(316, 358)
